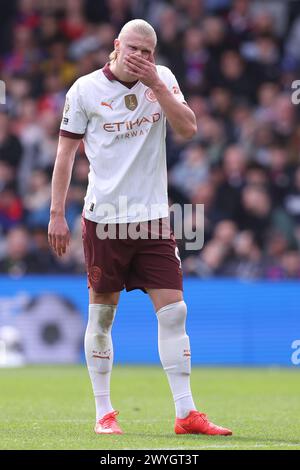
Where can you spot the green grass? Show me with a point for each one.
(52, 407)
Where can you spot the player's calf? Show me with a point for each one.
(175, 354)
(99, 355)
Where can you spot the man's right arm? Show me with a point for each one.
(58, 230)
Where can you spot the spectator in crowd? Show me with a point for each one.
(191, 171)
(11, 208)
(18, 259)
(208, 263)
(292, 198)
(37, 199)
(10, 146)
(229, 191)
(246, 260)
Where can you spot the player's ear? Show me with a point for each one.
(117, 45)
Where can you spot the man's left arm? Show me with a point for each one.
(180, 116)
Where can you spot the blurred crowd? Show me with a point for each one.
(235, 61)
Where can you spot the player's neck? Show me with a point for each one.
(119, 73)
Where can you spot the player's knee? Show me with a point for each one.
(109, 298)
(101, 318)
(105, 319)
(171, 319)
(164, 297)
(173, 342)
(98, 337)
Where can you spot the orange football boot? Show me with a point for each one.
(108, 424)
(197, 423)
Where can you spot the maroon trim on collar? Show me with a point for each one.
(110, 76)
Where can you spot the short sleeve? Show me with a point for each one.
(74, 120)
(170, 80)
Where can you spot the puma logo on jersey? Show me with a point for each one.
(105, 103)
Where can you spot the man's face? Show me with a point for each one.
(134, 43)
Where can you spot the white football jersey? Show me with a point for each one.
(124, 132)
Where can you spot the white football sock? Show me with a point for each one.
(175, 355)
(99, 354)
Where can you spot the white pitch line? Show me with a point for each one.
(214, 446)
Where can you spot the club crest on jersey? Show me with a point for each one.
(131, 102)
(150, 96)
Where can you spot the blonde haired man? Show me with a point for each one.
(120, 112)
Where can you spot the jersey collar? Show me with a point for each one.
(110, 76)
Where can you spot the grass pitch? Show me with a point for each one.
(52, 407)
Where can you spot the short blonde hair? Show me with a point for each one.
(139, 26)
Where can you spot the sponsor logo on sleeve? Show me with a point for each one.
(67, 106)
